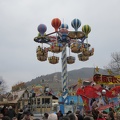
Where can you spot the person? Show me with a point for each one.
(6, 118)
(105, 114)
(88, 114)
(69, 112)
(86, 118)
(52, 116)
(72, 116)
(20, 113)
(64, 118)
(36, 119)
(4, 111)
(45, 116)
(27, 116)
(95, 104)
(11, 112)
(1, 116)
(79, 116)
(59, 114)
(111, 115)
(14, 118)
(92, 100)
(95, 112)
(118, 114)
(100, 117)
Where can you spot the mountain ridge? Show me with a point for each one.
(53, 80)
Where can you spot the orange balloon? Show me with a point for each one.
(56, 22)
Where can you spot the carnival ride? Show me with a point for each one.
(60, 40)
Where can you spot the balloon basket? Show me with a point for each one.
(82, 57)
(53, 59)
(76, 48)
(56, 49)
(42, 58)
(70, 60)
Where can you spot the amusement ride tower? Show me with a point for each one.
(61, 39)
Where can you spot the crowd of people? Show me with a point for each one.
(8, 113)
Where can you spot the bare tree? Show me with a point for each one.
(114, 64)
(3, 86)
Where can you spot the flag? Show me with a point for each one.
(85, 103)
(96, 69)
(113, 92)
(80, 91)
(79, 81)
(91, 92)
(109, 71)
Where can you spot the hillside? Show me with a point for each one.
(54, 80)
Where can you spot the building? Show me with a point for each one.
(16, 99)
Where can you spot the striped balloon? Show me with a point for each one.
(64, 26)
(42, 29)
(76, 23)
(56, 22)
(63, 31)
(86, 29)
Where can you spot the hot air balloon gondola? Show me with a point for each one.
(53, 59)
(56, 48)
(76, 48)
(41, 53)
(86, 45)
(70, 60)
(76, 35)
(82, 57)
(88, 52)
(42, 58)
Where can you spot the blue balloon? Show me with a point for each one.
(76, 23)
(42, 29)
(64, 26)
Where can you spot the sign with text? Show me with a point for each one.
(106, 79)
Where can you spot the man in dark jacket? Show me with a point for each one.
(11, 112)
(19, 115)
(79, 116)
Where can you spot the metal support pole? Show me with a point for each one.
(64, 75)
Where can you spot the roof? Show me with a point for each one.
(53, 96)
(19, 94)
(85, 82)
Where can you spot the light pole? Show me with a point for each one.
(61, 39)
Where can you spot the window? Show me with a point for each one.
(45, 100)
(38, 101)
(25, 96)
(35, 101)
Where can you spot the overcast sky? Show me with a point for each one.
(19, 20)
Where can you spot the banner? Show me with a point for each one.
(86, 103)
(106, 79)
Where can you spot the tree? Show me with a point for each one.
(3, 86)
(114, 64)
